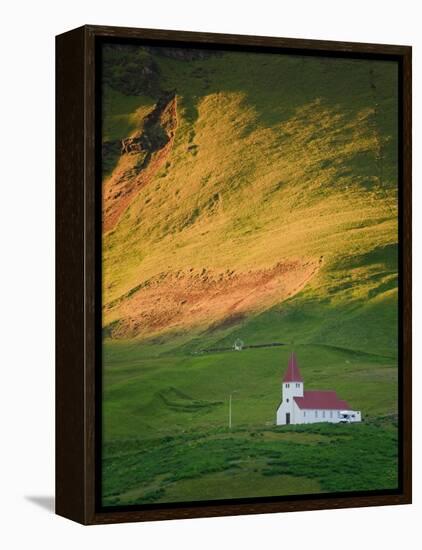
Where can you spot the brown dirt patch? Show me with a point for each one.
(140, 161)
(206, 298)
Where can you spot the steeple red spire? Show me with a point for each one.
(292, 373)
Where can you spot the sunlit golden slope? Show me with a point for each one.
(275, 161)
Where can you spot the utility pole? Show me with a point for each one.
(230, 408)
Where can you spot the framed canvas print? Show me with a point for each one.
(233, 274)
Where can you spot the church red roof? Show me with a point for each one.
(321, 400)
(292, 373)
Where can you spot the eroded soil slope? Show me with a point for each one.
(205, 299)
(142, 155)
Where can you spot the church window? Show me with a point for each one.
(287, 400)
(304, 413)
(331, 414)
(323, 414)
(316, 414)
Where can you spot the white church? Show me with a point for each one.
(302, 407)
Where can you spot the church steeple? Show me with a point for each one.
(292, 373)
(292, 385)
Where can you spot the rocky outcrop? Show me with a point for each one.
(158, 129)
(142, 155)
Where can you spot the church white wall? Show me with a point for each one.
(289, 391)
(312, 416)
(288, 405)
(305, 416)
(297, 415)
(285, 407)
(292, 389)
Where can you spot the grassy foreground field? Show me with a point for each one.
(240, 463)
(254, 197)
(167, 436)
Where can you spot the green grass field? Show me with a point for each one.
(167, 437)
(245, 462)
(274, 159)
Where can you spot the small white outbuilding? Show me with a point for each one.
(303, 407)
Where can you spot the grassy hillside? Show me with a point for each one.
(260, 203)
(275, 158)
(173, 392)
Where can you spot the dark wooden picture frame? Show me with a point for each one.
(78, 279)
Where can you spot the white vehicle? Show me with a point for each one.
(347, 417)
